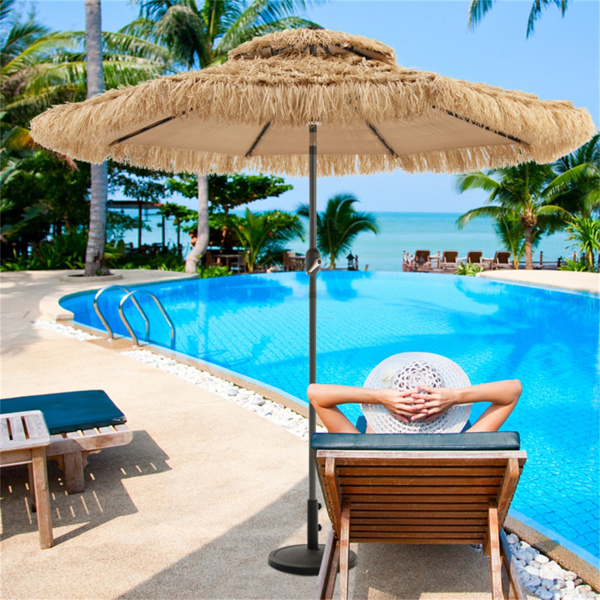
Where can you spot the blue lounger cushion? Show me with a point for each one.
(500, 440)
(69, 411)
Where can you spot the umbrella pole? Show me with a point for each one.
(300, 559)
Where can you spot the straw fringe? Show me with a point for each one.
(454, 161)
(341, 88)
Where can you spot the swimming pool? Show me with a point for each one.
(257, 326)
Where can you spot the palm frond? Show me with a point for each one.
(477, 10)
(495, 212)
(538, 7)
(182, 31)
(476, 181)
(261, 15)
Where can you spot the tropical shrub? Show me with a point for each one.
(585, 232)
(575, 264)
(469, 269)
(263, 235)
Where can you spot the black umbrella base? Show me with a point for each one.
(300, 560)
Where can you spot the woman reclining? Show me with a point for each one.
(416, 404)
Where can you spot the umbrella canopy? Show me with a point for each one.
(373, 115)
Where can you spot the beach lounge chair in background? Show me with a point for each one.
(422, 260)
(474, 256)
(449, 260)
(80, 423)
(502, 260)
(418, 489)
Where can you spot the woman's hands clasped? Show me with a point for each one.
(418, 404)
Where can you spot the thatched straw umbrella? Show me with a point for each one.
(262, 110)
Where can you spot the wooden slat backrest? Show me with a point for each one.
(418, 496)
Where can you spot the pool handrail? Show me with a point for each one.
(143, 314)
(111, 335)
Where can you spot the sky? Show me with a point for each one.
(560, 61)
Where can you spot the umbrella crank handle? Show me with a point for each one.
(313, 261)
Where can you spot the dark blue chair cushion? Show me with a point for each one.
(69, 411)
(499, 440)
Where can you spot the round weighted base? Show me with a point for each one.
(300, 560)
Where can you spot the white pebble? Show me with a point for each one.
(544, 594)
(511, 538)
(532, 570)
(584, 589)
(570, 576)
(542, 559)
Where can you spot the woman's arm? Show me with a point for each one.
(503, 396)
(326, 398)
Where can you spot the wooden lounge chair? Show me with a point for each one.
(474, 256)
(449, 260)
(502, 260)
(422, 260)
(418, 489)
(80, 423)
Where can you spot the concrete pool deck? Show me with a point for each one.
(193, 506)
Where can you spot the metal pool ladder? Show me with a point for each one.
(129, 294)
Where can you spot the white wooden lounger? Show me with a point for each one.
(80, 423)
(71, 450)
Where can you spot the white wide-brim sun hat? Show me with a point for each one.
(406, 371)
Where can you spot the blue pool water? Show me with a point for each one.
(257, 326)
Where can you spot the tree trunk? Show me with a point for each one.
(192, 259)
(528, 249)
(94, 256)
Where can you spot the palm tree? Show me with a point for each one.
(94, 256)
(517, 193)
(201, 35)
(263, 235)
(577, 186)
(40, 68)
(479, 8)
(339, 224)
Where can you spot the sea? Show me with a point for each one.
(398, 232)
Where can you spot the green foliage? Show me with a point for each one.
(226, 192)
(43, 191)
(117, 223)
(214, 271)
(585, 233)
(66, 251)
(468, 269)
(339, 224)
(263, 235)
(578, 264)
(137, 183)
(40, 68)
(577, 186)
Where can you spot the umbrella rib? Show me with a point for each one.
(381, 140)
(258, 139)
(500, 133)
(142, 130)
